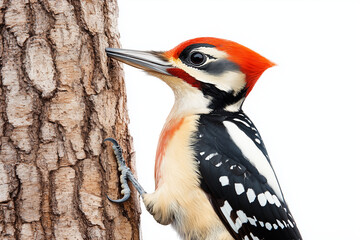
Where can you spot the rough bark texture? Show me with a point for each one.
(58, 101)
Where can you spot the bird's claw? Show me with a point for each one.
(125, 174)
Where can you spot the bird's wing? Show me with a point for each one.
(238, 177)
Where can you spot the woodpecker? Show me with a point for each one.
(213, 176)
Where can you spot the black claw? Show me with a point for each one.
(113, 141)
(121, 200)
(125, 174)
(123, 168)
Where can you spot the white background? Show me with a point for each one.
(306, 108)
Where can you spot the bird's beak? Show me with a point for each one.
(148, 61)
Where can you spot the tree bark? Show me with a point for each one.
(60, 97)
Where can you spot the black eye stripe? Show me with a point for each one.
(220, 66)
(187, 51)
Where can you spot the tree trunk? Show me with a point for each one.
(59, 100)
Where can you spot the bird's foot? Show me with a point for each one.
(125, 174)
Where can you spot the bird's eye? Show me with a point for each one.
(197, 58)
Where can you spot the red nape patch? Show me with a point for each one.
(177, 72)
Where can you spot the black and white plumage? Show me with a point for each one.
(213, 177)
(241, 194)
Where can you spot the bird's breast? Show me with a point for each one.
(167, 133)
(174, 149)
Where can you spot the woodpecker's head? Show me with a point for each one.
(206, 74)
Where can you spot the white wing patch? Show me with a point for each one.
(226, 210)
(268, 226)
(254, 237)
(211, 155)
(254, 155)
(242, 216)
(250, 193)
(239, 188)
(262, 199)
(224, 180)
(243, 122)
